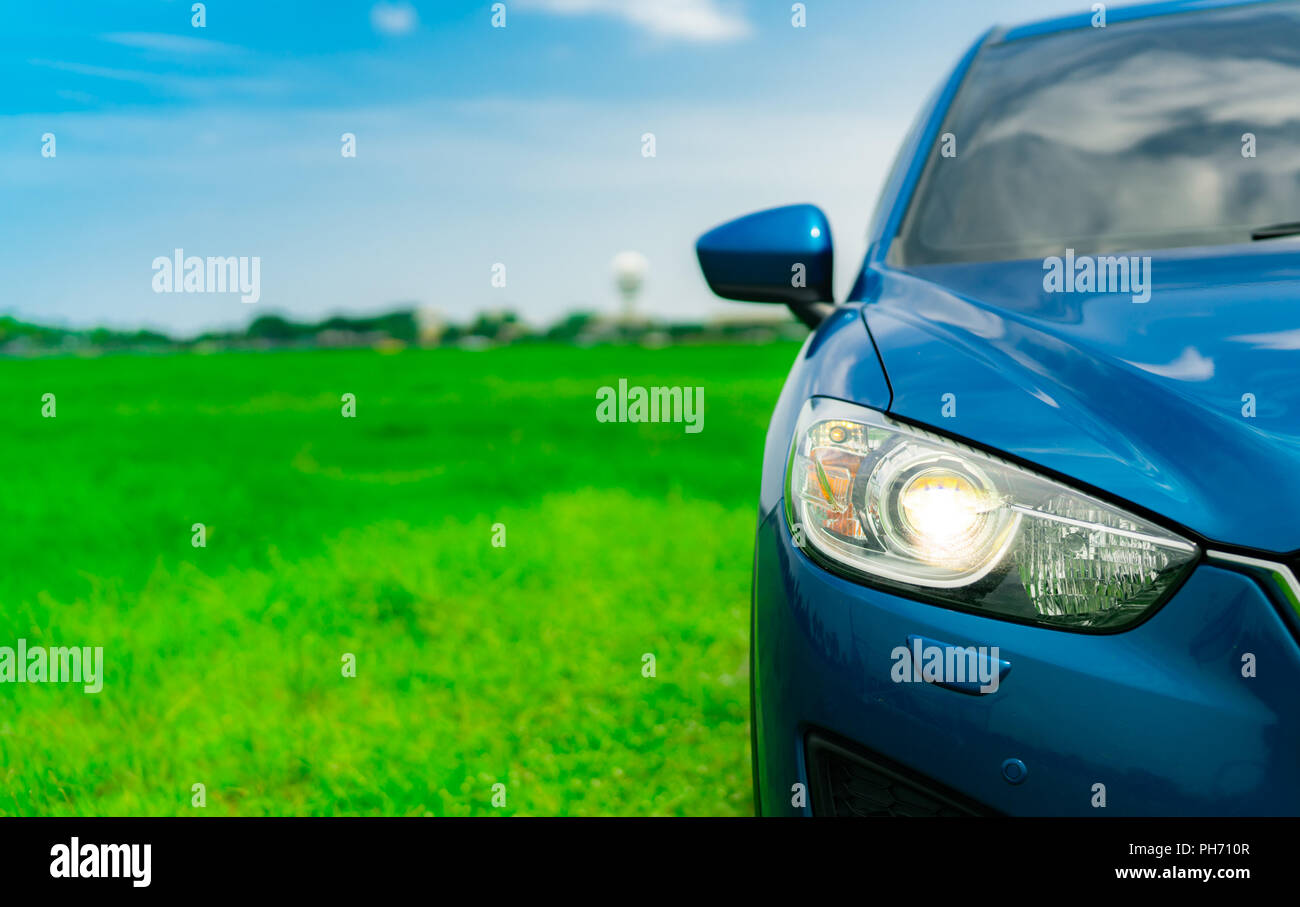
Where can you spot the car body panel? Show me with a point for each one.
(837, 360)
(1161, 715)
(1116, 394)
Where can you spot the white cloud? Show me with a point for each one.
(195, 87)
(178, 45)
(393, 18)
(691, 20)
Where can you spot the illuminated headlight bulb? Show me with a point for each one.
(942, 509)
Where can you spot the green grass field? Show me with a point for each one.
(476, 665)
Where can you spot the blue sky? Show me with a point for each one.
(475, 145)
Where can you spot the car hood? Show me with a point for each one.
(1187, 405)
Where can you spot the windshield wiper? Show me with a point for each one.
(1275, 231)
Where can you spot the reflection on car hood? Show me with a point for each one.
(1187, 405)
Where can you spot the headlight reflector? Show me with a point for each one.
(936, 519)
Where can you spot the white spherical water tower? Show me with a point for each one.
(629, 274)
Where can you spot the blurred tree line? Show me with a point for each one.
(402, 327)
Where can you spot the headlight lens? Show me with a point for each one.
(938, 520)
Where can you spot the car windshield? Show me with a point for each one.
(1179, 130)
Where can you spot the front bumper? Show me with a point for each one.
(1161, 716)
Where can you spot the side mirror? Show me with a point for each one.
(779, 255)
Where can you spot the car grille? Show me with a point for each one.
(846, 780)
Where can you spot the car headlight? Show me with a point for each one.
(935, 519)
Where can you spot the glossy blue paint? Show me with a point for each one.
(1160, 714)
(1114, 16)
(836, 360)
(1142, 401)
(780, 255)
(1139, 402)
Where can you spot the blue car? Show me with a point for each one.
(1029, 524)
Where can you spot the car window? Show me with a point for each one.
(1177, 130)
